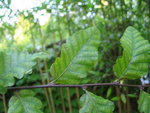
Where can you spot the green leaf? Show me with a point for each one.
(132, 95)
(109, 91)
(22, 64)
(123, 98)
(134, 62)
(3, 90)
(42, 55)
(78, 56)
(144, 102)
(91, 103)
(14, 64)
(115, 98)
(25, 102)
(9, 2)
(5, 78)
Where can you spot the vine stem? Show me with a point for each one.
(51, 101)
(49, 89)
(4, 103)
(119, 104)
(41, 73)
(78, 96)
(1, 97)
(69, 100)
(80, 86)
(45, 91)
(128, 102)
(62, 99)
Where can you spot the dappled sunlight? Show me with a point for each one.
(3, 45)
(105, 2)
(22, 36)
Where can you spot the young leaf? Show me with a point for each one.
(25, 102)
(91, 103)
(78, 56)
(144, 102)
(134, 62)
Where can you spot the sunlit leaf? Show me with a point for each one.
(134, 62)
(78, 56)
(14, 64)
(41, 55)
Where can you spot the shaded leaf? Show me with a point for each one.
(144, 102)
(24, 102)
(134, 62)
(132, 95)
(78, 56)
(3, 90)
(43, 55)
(123, 98)
(91, 103)
(109, 91)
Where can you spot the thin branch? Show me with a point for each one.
(1, 97)
(69, 100)
(4, 103)
(80, 86)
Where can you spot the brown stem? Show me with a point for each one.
(80, 85)
(62, 99)
(4, 103)
(49, 89)
(47, 78)
(128, 102)
(45, 90)
(125, 107)
(78, 96)
(119, 104)
(69, 100)
(41, 73)
(1, 97)
(51, 99)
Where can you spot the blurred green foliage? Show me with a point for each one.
(65, 18)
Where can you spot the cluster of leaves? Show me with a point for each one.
(67, 17)
(77, 58)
